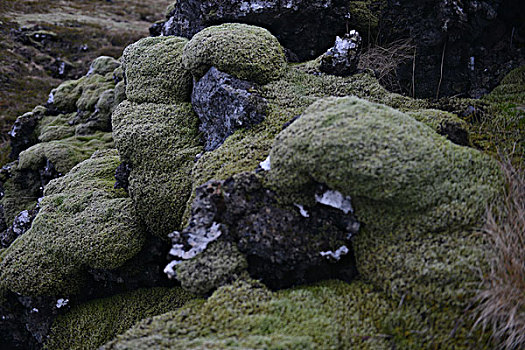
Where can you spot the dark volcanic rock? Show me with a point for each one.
(22, 134)
(225, 104)
(343, 57)
(306, 27)
(122, 176)
(462, 47)
(284, 245)
(20, 225)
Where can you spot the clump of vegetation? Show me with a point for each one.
(90, 325)
(502, 298)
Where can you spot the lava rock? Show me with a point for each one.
(22, 134)
(225, 104)
(122, 176)
(342, 59)
(283, 245)
(462, 47)
(306, 27)
(20, 225)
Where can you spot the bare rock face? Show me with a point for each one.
(462, 47)
(306, 27)
(343, 57)
(225, 104)
(283, 245)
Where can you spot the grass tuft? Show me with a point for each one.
(502, 299)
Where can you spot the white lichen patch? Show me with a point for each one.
(265, 165)
(302, 210)
(343, 250)
(62, 302)
(198, 244)
(170, 268)
(335, 199)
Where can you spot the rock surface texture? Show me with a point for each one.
(283, 246)
(225, 104)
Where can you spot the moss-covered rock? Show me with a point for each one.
(103, 65)
(444, 123)
(511, 88)
(64, 154)
(244, 51)
(90, 325)
(221, 263)
(328, 315)
(244, 315)
(400, 174)
(160, 143)
(83, 223)
(154, 71)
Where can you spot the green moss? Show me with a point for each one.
(65, 96)
(103, 65)
(330, 315)
(160, 142)
(327, 315)
(92, 87)
(364, 17)
(83, 223)
(65, 153)
(244, 51)
(56, 127)
(81, 94)
(96, 322)
(511, 88)
(154, 71)
(439, 270)
(400, 174)
(440, 121)
(219, 264)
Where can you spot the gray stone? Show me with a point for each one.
(225, 104)
(343, 57)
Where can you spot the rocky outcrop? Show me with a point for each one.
(462, 47)
(280, 201)
(283, 245)
(306, 27)
(343, 58)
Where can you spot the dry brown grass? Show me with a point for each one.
(384, 60)
(501, 305)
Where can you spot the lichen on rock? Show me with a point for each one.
(83, 223)
(246, 52)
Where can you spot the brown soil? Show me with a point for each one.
(45, 42)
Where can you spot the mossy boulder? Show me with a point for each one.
(103, 65)
(221, 263)
(90, 325)
(80, 94)
(511, 88)
(400, 174)
(154, 71)
(244, 51)
(83, 223)
(327, 315)
(160, 142)
(444, 123)
(64, 154)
